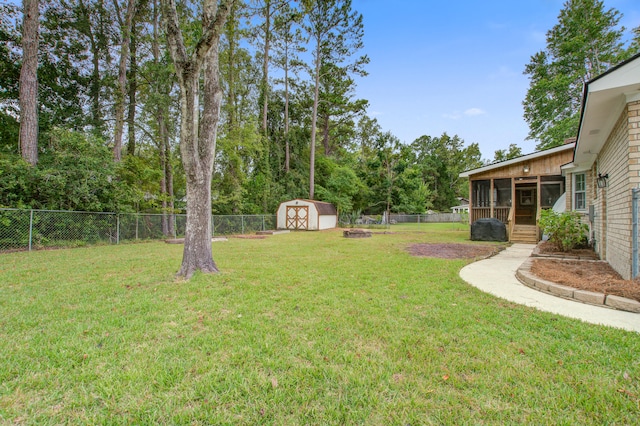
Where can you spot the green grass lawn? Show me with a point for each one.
(301, 328)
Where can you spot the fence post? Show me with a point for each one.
(137, 218)
(213, 226)
(117, 228)
(242, 221)
(175, 225)
(30, 228)
(263, 228)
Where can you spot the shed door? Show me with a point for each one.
(298, 217)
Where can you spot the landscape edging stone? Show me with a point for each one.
(524, 275)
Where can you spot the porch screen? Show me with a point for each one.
(502, 192)
(481, 193)
(551, 188)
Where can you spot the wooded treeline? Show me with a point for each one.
(108, 114)
(93, 86)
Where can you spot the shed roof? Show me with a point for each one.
(323, 207)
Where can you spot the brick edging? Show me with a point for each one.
(525, 276)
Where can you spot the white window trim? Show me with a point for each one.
(574, 192)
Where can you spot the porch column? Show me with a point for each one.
(470, 202)
(491, 200)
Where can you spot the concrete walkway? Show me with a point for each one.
(497, 275)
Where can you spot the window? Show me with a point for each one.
(580, 191)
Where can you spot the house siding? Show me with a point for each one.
(619, 158)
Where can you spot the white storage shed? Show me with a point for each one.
(308, 215)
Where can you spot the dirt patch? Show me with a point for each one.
(453, 251)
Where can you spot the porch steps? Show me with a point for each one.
(527, 234)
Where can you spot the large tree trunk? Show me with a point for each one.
(29, 83)
(314, 121)
(168, 173)
(197, 160)
(265, 65)
(287, 149)
(164, 190)
(197, 138)
(122, 79)
(166, 182)
(94, 84)
(133, 89)
(325, 135)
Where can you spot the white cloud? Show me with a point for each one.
(474, 111)
(452, 116)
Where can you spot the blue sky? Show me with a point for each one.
(457, 66)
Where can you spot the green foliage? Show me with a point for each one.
(513, 151)
(140, 179)
(440, 161)
(340, 188)
(566, 230)
(17, 182)
(75, 172)
(584, 43)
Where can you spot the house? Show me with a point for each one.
(463, 207)
(308, 215)
(515, 191)
(603, 178)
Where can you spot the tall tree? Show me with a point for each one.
(337, 111)
(584, 43)
(507, 154)
(29, 83)
(197, 133)
(336, 33)
(125, 30)
(634, 47)
(441, 160)
(132, 79)
(92, 20)
(288, 43)
(9, 78)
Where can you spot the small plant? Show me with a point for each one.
(566, 230)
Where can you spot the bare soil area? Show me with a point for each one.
(454, 251)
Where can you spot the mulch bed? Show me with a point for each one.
(598, 277)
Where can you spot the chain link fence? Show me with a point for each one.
(429, 218)
(38, 229)
(394, 218)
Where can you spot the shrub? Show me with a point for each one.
(566, 230)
